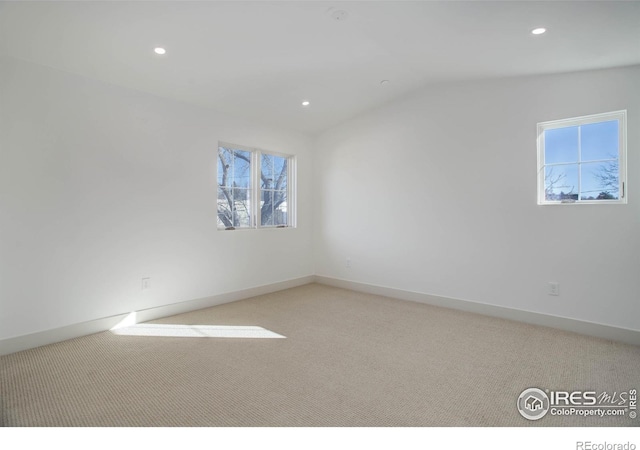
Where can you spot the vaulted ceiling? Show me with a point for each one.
(260, 60)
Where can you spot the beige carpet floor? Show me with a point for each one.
(349, 359)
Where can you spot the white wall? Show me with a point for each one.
(101, 186)
(437, 194)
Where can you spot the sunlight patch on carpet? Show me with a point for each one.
(213, 331)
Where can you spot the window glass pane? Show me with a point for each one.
(280, 208)
(241, 196)
(561, 145)
(266, 167)
(273, 194)
(599, 181)
(225, 158)
(280, 172)
(599, 141)
(561, 182)
(266, 198)
(225, 216)
(241, 220)
(234, 188)
(273, 208)
(220, 171)
(266, 207)
(267, 219)
(241, 168)
(274, 172)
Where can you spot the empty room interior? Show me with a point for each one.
(319, 214)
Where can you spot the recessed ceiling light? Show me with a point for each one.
(306, 103)
(538, 31)
(339, 15)
(160, 50)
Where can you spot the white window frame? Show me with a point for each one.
(255, 189)
(621, 117)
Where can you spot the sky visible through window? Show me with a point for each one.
(581, 162)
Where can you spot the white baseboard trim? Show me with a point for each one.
(33, 340)
(609, 332)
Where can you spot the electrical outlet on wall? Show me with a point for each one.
(146, 284)
(348, 263)
(554, 288)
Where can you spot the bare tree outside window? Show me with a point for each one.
(555, 185)
(608, 176)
